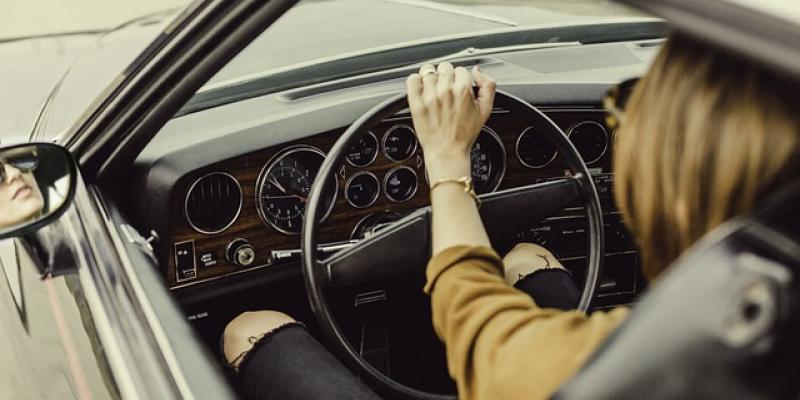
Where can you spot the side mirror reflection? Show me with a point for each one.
(37, 182)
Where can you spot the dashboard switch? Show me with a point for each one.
(240, 253)
(186, 268)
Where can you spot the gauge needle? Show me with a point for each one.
(280, 187)
(275, 183)
(289, 196)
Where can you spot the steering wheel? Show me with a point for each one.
(403, 248)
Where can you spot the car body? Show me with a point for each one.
(143, 282)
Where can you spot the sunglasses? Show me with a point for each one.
(615, 100)
(24, 162)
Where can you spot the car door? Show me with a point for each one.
(44, 353)
(84, 311)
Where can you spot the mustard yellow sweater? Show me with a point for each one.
(500, 345)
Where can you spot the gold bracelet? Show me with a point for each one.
(469, 188)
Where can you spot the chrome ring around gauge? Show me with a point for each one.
(223, 226)
(404, 142)
(525, 141)
(591, 148)
(284, 184)
(484, 156)
(365, 149)
(400, 184)
(367, 191)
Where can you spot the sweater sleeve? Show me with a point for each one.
(500, 344)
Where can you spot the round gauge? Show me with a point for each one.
(534, 150)
(399, 143)
(487, 162)
(400, 184)
(362, 189)
(364, 152)
(591, 140)
(284, 185)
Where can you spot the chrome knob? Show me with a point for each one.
(239, 252)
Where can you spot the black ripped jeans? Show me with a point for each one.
(289, 364)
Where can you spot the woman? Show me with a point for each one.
(705, 135)
(20, 197)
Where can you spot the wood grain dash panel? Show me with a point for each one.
(343, 219)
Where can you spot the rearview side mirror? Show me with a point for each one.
(37, 183)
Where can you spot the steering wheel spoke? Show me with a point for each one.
(379, 256)
(403, 248)
(531, 205)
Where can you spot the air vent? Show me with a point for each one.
(213, 203)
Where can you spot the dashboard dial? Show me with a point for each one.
(534, 150)
(362, 189)
(487, 162)
(364, 152)
(284, 185)
(400, 184)
(399, 143)
(591, 140)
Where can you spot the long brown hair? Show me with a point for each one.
(704, 136)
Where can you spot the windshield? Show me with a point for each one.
(321, 41)
(319, 29)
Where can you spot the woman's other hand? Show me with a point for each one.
(525, 259)
(448, 116)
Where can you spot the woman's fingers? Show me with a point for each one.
(486, 91)
(426, 69)
(414, 90)
(444, 80)
(428, 74)
(463, 81)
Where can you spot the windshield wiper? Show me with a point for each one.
(472, 52)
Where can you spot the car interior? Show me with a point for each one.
(225, 184)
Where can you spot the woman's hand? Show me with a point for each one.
(448, 116)
(525, 259)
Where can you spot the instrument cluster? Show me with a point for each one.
(284, 182)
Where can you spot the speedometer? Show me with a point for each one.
(284, 185)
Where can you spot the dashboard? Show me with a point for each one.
(245, 213)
